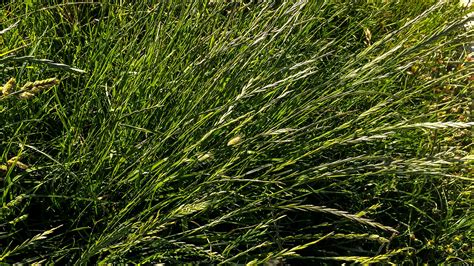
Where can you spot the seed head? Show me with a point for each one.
(16, 201)
(41, 85)
(19, 219)
(9, 86)
(28, 86)
(26, 95)
(204, 157)
(15, 161)
(32, 88)
(234, 141)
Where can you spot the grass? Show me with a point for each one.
(218, 132)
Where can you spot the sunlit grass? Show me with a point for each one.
(303, 131)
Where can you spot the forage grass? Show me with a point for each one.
(236, 132)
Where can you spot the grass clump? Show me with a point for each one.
(235, 132)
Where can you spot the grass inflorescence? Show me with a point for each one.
(236, 132)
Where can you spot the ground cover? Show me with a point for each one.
(231, 132)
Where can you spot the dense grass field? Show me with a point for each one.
(284, 132)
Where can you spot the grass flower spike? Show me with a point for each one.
(234, 141)
(30, 89)
(9, 86)
(26, 95)
(15, 161)
(42, 85)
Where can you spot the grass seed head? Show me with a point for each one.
(28, 86)
(41, 85)
(204, 157)
(14, 161)
(18, 219)
(234, 141)
(9, 86)
(26, 95)
(38, 86)
(16, 201)
(46, 82)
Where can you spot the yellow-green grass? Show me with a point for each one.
(235, 132)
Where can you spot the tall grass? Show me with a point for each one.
(224, 132)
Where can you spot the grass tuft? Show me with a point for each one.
(236, 132)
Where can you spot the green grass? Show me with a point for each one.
(300, 131)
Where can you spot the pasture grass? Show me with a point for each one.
(224, 132)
